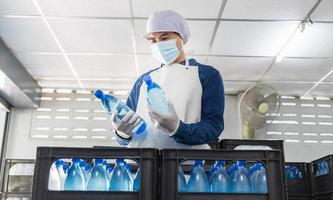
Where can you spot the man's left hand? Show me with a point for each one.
(168, 122)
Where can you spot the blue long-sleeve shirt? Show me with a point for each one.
(210, 123)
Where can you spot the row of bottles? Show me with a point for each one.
(322, 168)
(236, 179)
(81, 176)
(292, 172)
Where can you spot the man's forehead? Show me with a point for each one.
(154, 34)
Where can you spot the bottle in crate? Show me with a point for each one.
(120, 180)
(136, 182)
(54, 178)
(241, 182)
(98, 180)
(181, 180)
(219, 177)
(75, 180)
(198, 181)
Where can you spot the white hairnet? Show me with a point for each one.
(168, 21)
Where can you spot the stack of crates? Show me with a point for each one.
(300, 188)
(322, 185)
(159, 172)
(146, 159)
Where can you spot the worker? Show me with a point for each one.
(195, 93)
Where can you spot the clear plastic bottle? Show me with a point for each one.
(241, 180)
(137, 181)
(62, 169)
(181, 180)
(120, 180)
(219, 180)
(259, 179)
(54, 179)
(112, 103)
(98, 180)
(231, 172)
(155, 95)
(198, 181)
(75, 180)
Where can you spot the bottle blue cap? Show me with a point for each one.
(87, 167)
(219, 163)
(99, 94)
(198, 163)
(58, 163)
(120, 160)
(241, 163)
(83, 163)
(147, 79)
(98, 161)
(76, 160)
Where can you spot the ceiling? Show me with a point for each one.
(100, 44)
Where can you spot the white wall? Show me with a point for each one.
(21, 146)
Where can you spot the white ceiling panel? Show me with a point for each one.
(96, 8)
(104, 66)
(236, 87)
(17, 7)
(230, 67)
(330, 77)
(46, 65)
(201, 33)
(187, 8)
(290, 69)
(314, 41)
(323, 89)
(252, 38)
(297, 89)
(268, 9)
(27, 35)
(142, 44)
(146, 63)
(97, 36)
(112, 85)
(324, 12)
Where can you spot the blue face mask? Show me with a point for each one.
(165, 51)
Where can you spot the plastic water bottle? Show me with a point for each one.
(198, 181)
(259, 179)
(231, 172)
(54, 178)
(219, 180)
(75, 179)
(98, 180)
(120, 180)
(241, 182)
(156, 96)
(137, 182)
(112, 103)
(109, 170)
(181, 180)
(62, 169)
(83, 166)
(325, 167)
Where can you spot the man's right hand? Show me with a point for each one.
(126, 124)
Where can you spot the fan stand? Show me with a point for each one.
(248, 132)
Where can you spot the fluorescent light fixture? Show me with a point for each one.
(62, 50)
(317, 83)
(300, 29)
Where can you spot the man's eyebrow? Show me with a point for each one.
(164, 34)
